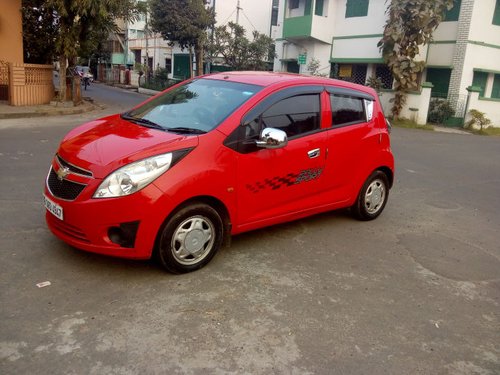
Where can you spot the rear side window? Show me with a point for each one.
(346, 110)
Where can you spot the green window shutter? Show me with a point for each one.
(495, 92)
(356, 8)
(307, 10)
(496, 14)
(479, 80)
(319, 7)
(453, 13)
(440, 79)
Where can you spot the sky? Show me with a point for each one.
(254, 14)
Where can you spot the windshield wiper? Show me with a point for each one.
(181, 129)
(142, 121)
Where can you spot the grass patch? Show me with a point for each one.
(486, 131)
(408, 124)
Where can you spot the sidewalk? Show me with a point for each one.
(52, 109)
(443, 129)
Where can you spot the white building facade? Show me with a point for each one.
(343, 35)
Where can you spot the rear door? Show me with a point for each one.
(351, 139)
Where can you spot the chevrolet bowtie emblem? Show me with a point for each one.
(62, 173)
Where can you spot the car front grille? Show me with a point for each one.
(63, 189)
(72, 168)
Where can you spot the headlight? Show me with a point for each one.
(135, 176)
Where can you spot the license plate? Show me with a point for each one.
(53, 208)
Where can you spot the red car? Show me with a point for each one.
(215, 156)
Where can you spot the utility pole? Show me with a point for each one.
(238, 8)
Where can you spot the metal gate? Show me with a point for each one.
(4, 80)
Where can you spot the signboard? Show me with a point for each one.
(345, 71)
(302, 59)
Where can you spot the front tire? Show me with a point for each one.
(190, 238)
(372, 197)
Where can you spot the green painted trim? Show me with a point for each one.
(427, 84)
(357, 60)
(357, 36)
(474, 89)
(483, 44)
(496, 14)
(443, 42)
(489, 99)
(486, 70)
(440, 66)
(454, 122)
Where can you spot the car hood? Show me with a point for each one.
(104, 145)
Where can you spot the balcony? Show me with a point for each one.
(302, 23)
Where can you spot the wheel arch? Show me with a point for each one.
(211, 201)
(389, 173)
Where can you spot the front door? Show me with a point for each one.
(276, 182)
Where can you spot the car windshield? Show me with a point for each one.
(195, 107)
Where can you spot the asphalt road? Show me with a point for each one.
(416, 291)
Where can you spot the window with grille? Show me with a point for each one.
(453, 13)
(355, 73)
(356, 8)
(384, 73)
(293, 4)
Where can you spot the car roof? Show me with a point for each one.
(265, 79)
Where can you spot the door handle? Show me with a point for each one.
(314, 153)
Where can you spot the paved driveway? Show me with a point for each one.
(414, 292)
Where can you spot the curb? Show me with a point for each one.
(52, 112)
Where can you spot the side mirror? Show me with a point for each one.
(272, 138)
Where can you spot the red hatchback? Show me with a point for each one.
(216, 156)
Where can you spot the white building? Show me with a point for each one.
(343, 35)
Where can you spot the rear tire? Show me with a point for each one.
(372, 197)
(190, 238)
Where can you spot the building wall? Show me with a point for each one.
(11, 31)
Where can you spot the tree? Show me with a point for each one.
(238, 52)
(81, 24)
(184, 22)
(314, 68)
(40, 29)
(410, 24)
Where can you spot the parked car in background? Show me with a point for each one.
(216, 156)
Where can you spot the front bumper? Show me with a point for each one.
(124, 227)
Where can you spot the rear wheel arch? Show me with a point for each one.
(389, 173)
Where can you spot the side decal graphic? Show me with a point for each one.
(288, 180)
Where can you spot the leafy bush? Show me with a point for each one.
(440, 110)
(478, 118)
(158, 81)
(375, 83)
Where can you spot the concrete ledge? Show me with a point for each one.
(147, 91)
(53, 109)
